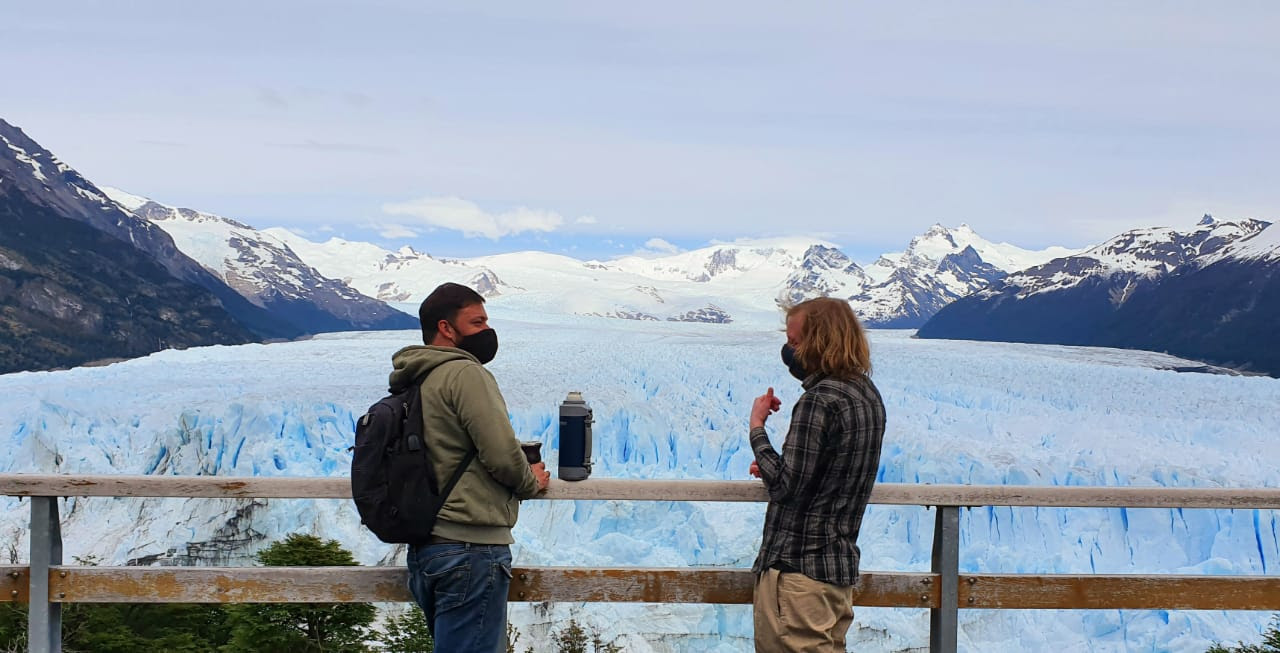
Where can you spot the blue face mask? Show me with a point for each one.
(789, 359)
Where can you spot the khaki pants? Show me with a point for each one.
(796, 613)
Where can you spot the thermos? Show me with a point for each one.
(575, 438)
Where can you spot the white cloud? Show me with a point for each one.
(467, 217)
(655, 247)
(661, 246)
(396, 231)
(586, 219)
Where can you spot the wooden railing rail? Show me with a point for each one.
(599, 489)
(46, 583)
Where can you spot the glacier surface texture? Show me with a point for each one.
(671, 402)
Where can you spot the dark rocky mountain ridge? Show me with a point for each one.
(1183, 293)
(71, 294)
(83, 279)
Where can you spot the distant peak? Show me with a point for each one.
(1207, 220)
(407, 251)
(931, 238)
(128, 200)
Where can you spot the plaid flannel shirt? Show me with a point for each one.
(819, 486)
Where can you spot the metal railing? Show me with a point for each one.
(46, 584)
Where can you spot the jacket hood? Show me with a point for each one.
(411, 363)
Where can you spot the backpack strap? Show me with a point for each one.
(466, 460)
(457, 474)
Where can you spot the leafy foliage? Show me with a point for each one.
(573, 638)
(301, 627)
(125, 627)
(13, 627)
(407, 632)
(1270, 642)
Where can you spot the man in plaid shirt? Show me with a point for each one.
(819, 486)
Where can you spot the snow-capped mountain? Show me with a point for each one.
(49, 183)
(83, 280)
(1263, 248)
(52, 184)
(70, 294)
(405, 275)
(264, 270)
(745, 279)
(939, 242)
(1132, 257)
(824, 272)
(937, 268)
(1211, 292)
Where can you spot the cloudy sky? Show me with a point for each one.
(594, 128)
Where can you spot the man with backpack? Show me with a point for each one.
(460, 576)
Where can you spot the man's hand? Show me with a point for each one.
(754, 470)
(540, 472)
(763, 405)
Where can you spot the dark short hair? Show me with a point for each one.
(443, 304)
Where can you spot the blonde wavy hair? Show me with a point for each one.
(832, 341)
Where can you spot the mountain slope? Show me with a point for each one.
(1225, 310)
(46, 182)
(1211, 293)
(70, 294)
(265, 271)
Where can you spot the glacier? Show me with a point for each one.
(671, 401)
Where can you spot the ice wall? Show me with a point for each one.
(671, 402)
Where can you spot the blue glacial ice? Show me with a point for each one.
(671, 401)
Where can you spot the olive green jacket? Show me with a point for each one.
(462, 410)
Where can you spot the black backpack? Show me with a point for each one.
(392, 479)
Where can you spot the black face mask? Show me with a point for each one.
(789, 359)
(481, 344)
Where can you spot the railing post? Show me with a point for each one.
(44, 618)
(944, 621)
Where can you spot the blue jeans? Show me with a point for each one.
(462, 589)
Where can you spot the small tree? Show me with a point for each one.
(513, 636)
(572, 639)
(301, 627)
(600, 646)
(407, 632)
(1270, 642)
